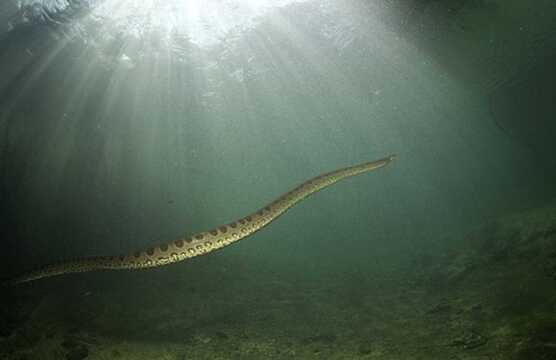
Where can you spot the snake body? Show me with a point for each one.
(206, 241)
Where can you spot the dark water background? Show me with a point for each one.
(112, 141)
(119, 131)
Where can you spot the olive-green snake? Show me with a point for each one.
(205, 241)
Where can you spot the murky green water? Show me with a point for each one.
(127, 124)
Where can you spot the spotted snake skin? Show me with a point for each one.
(206, 241)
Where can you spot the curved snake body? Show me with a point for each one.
(205, 241)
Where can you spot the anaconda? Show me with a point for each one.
(203, 242)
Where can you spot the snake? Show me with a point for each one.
(202, 242)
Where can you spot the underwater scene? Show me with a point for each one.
(278, 179)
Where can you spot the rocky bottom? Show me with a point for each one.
(492, 296)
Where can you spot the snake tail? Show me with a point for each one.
(206, 241)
